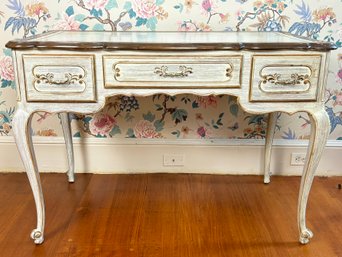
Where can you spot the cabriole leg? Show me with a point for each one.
(272, 121)
(21, 129)
(320, 127)
(65, 120)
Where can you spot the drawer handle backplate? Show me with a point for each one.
(294, 80)
(48, 78)
(163, 71)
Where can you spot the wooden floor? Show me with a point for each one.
(169, 215)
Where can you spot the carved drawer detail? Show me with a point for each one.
(59, 78)
(177, 71)
(285, 78)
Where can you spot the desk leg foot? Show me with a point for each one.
(320, 127)
(272, 121)
(65, 120)
(305, 236)
(37, 236)
(21, 129)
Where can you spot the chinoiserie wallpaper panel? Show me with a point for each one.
(181, 116)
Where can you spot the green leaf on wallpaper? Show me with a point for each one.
(179, 7)
(159, 125)
(234, 109)
(132, 13)
(7, 83)
(149, 116)
(70, 11)
(176, 133)
(115, 130)
(130, 133)
(83, 27)
(179, 115)
(87, 119)
(140, 21)
(80, 17)
(195, 105)
(98, 27)
(127, 6)
(158, 107)
(111, 4)
(159, 2)
(77, 134)
(7, 51)
(151, 23)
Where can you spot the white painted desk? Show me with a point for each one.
(63, 72)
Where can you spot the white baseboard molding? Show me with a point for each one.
(95, 155)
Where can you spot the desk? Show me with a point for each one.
(61, 72)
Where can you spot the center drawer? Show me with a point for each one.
(172, 71)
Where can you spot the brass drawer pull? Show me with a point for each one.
(295, 79)
(163, 71)
(48, 78)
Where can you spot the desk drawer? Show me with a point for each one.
(62, 78)
(172, 71)
(285, 77)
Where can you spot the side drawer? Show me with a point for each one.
(59, 78)
(172, 71)
(285, 78)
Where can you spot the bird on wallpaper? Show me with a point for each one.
(334, 119)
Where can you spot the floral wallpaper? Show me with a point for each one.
(181, 116)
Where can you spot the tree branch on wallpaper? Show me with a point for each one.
(270, 17)
(98, 13)
(143, 13)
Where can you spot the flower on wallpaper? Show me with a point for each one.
(202, 132)
(36, 9)
(337, 98)
(208, 5)
(146, 12)
(46, 133)
(6, 68)
(145, 8)
(312, 22)
(206, 101)
(339, 75)
(102, 124)
(26, 18)
(189, 4)
(5, 121)
(325, 14)
(145, 129)
(95, 4)
(67, 22)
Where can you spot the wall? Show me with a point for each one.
(182, 116)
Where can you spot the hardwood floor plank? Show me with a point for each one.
(168, 215)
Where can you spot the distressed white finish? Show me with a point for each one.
(61, 77)
(257, 77)
(272, 122)
(65, 121)
(265, 86)
(216, 70)
(21, 130)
